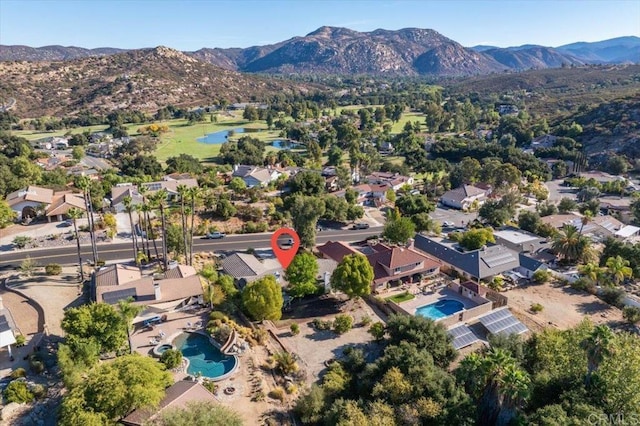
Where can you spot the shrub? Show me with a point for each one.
(342, 323)
(613, 296)
(631, 314)
(322, 325)
(584, 284)
(28, 266)
(536, 307)
(38, 391)
(171, 358)
(365, 321)
(295, 329)
(53, 269)
(210, 385)
(21, 241)
(36, 365)
(277, 393)
(291, 388)
(17, 391)
(217, 315)
(18, 372)
(377, 330)
(541, 276)
(20, 340)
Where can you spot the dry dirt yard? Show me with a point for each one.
(315, 347)
(564, 307)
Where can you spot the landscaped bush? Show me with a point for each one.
(277, 393)
(541, 276)
(291, 388)
(295, 329)
(53, 269)
(18, 372)
(536, 307)
(319, 324)
(631, 314)
(38, 391)
(17, 391)
(217, 315)
(342, 323)
(584, 284)
(20, 340)
(35, 364)
(171, 358)
(377, 330)
(21, 241)
(613, 296)
(365, 320)
(210, 385)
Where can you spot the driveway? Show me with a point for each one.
(442, 214)
(37, 230)
(558, 192)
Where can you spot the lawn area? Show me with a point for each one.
(402, 297)
(182, 137)
(33, 135)
(408, 116)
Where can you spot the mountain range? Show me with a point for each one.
(405, 52)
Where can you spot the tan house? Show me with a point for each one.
(28, 201)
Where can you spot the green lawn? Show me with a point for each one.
(408, 116)
(402, 297)
(35, 135)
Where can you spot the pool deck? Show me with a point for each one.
(422, 299)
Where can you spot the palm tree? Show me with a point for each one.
(128, 312)
(209, 295)
(128, 207)
(194, 193)
(619, 269)
(143, 233)
(572, 246)
(591, 271)
(146, 209)
(588, 216)
(160, 198)
(84, 183)
(182, 191)
(285, 362)
(75, 214)
(597, 347)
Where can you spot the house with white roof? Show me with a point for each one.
(464, 196)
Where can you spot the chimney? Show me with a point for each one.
(156, 290)
(410, 243)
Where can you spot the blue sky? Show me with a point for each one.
(190, 25)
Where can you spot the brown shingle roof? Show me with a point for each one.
(177, 395)
(180, 288)
(116, 275)
(336, 250)
(30, 193)
(61, 204)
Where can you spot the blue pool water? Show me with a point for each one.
(218, 137)
(204, 358)
(440, 309)
(285, 144)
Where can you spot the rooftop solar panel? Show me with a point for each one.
(495, 316)
(462, 336)
(113, 297)
(460, 330)
(502, 322)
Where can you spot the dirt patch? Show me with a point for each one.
(563, 307)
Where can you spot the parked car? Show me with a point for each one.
(360, 225)
(214, 235)
(448, 224)
(64, 224)
(287, 242)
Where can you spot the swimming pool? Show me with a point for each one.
(204, 358)
(440, 309)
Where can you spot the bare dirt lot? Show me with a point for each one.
(563, 306)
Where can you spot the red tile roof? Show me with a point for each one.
(336, 250)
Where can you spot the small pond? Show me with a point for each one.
(221, 136)
(285, 144)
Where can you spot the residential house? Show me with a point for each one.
(519, 240)
(60, 143)
(480, 264)
(391, 265)
(255, 175)
(464, 197)
(597, 228)
(62, 203)
(530, 265)
(7, 327)
(246, 268)
(394, 180)
(331, 183)
(28, 201)
(508, 109)
(114, 283)
(123, 190)
(177, 396)
(386, 148)
(544, 141)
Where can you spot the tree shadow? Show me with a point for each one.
(321, 335)
(593, 307)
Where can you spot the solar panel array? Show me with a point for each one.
(462, 336)
(113, 297)
(498, 259)
(502, 322)
(4, 324)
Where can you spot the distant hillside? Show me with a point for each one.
(615, 50)
(52, 53)
(143, 79)
(558, 91)
(528, 57)
(611, 127)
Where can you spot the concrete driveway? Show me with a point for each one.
(558, 192)
(442, 214)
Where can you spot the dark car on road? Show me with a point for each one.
(64, 224)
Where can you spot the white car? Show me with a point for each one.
(448, 224)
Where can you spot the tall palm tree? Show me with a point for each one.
(143, 233)
(128, 312)
(75, 214)
(618, 269)
(128, 207)
(146, 209)
(194, 193)
(160, 200)
(588, 217)
(84, 183)
(597, 347)
(182, 191)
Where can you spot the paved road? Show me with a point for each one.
(67, 255)
(8, 105)
(442, 214)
